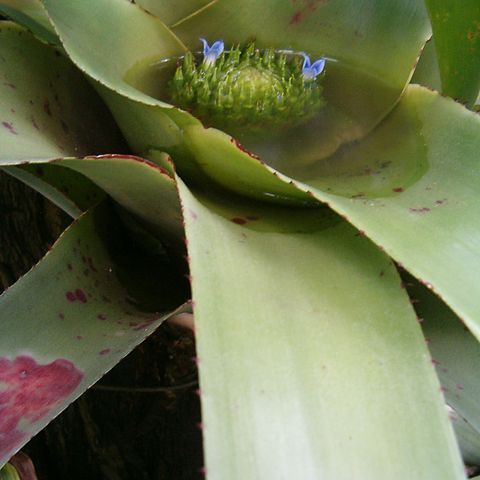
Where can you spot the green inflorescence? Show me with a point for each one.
(247, 90)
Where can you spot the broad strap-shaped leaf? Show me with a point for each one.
(412, 186)
(456, 356)
(379, 36)
(73, 317)
(371, 47)
(199, 153)
(360, 88)
(109, 37)
(32, 15)
(456, 29)
(48, 110)
(310, 355)
(143, 188)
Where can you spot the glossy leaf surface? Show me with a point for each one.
(30, 14)
(362, 87)
(70, 319)
(171, 13)
(456, 356)
(305, 341)
(412, 187)
(456, 29)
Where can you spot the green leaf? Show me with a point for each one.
(412, 186)
(143, 188)
(8, 472)
(456, 355)
(47, 109)
(171, 14)
(71, 192)
(456, 29)
(32, 15)
(367, 74)
(309, 352)
(427, 73)
(73, 317)
(378, 36)
(109, 29)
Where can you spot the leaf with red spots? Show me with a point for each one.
(74, 336)
(41, 94)
(430, 147)
(296, 326)
(456, 354)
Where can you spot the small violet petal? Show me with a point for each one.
(311, 71)
(210, 54)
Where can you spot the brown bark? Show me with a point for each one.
(115, 433)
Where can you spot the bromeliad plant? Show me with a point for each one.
(302, 171)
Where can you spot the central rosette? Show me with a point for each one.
(247, 91)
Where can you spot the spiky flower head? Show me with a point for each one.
(247, 90)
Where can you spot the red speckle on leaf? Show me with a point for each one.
(11, 85)
(106, 299)
(101, 316)
(80, 295)
(70, 296)
(104, 351)
(382, 273)
(419, 210)
(28, 392)
(9, 127)
(239, 221)
(34, 123)
(397, 189)
(61, 316)
(296, 17)
(243, 149)
(46, 108)
(440, 202)
(79, 337)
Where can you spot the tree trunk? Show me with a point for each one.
(115, 431)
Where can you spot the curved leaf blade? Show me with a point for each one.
(30, 14)
(412, 187)
(456, 356)
(456, 29)
(48, 110)
(105, 29)
(85, 322)
(295, 363)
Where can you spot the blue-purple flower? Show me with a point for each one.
(311, 71)
(210, 54)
